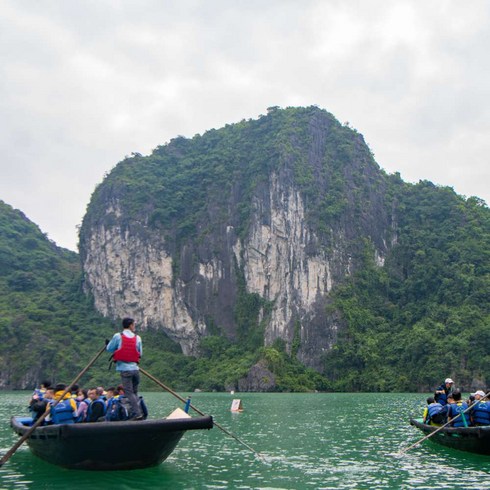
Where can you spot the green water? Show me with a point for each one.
(317, 441)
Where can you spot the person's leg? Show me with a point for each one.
(130, 382)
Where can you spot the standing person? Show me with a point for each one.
(444, 391)
(127, 350)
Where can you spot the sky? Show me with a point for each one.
(85, 83)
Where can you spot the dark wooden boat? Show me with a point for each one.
(471, 439)
(109, 445)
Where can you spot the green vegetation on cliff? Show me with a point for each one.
(50, 329)
(425, 314)
(407, 321)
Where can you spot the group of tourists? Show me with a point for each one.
(82, 405)
(448, 407)
(97, 404)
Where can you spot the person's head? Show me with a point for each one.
(120, 389)
(82, 393)
(110, 392)
(449, 382)
(450, 399)
(479, 395)
(45, 384)
(92, 394)
(456, 395)
(49, 393)
(59, 387)
(75, 388)
(430, 400)
(100, 390)
(128, 323)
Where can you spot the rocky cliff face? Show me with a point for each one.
(289, 254)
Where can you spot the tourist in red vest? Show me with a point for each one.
(127, 349)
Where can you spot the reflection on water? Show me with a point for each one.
(318, 441)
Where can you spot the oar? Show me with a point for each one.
(166, 388)
(40, 420)
(403, 451)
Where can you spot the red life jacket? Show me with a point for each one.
(127, 352)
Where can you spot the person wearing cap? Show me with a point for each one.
(444, 391)
(480, 411)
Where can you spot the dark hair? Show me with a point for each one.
(430, 400)
(46, 383)
(74, 388)
(60, 387)
(456, 395)
(127, 322)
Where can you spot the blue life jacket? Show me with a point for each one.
(459, 408)
(62, 413)
(481, 413)
(91, 407)
(434, 413)
(39, 392)
(117, 410)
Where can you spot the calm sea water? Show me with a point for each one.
(317, 441)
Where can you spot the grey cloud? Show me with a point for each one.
(85, 83)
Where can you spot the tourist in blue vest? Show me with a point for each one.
(127, 350)
(64, 411)
(434, 413)
(443, 391)
(96, 409)
(480, 411)
(38, 406)
(458, 407)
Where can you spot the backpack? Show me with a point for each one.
(117, 410)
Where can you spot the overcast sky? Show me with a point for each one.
(84, 83)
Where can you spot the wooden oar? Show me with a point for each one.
(166, 388)
(40, 420)
(403, 451)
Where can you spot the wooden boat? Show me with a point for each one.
(109, 445)
(471, 439)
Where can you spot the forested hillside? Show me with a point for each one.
(50, 329)
(275, 243)
(409, 263)
(425, 314)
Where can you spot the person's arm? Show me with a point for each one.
(114, 344)
(139, 345)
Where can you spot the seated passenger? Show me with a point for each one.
(434, 413)
(82, 402)
(64, 410)
(39, 406)
(39, 392)
(458, 407)
(96, 409)
(480, 411)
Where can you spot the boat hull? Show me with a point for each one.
(471, 439)
(109, 445)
